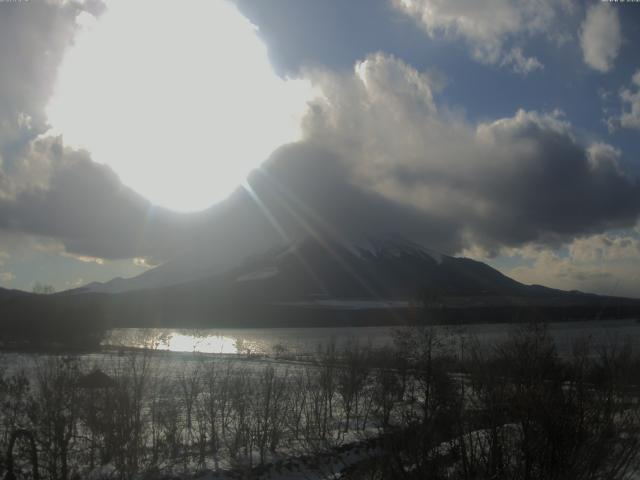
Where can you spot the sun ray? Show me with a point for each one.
(274, 222)
(287, 199)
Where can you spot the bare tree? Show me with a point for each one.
(54, 412)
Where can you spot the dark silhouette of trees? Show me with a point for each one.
(432, 405)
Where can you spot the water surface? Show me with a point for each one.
(305, 341)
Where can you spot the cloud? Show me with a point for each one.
(488, 27)
(521, 64)
(603, 263)
(60, 193)
(525, 178)
(380, 155)
(191, 102)
(6, 278)
(605, 246)
(308, 189)
(630, 117)
(33, 39)
(600, 37)
(46, 189)
(85, 258)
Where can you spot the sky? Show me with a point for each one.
(138, 133)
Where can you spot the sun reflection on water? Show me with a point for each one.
(179, 342)
(186, 341)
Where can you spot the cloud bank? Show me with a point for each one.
(525, 178)
(380, 155)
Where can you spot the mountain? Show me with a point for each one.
(314, 282)
(388, 267)
(373, 281)
(317, 272)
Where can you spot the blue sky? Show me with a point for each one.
(553, 77)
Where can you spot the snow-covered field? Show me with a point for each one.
(276, 410)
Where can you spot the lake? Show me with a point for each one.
(305, 341)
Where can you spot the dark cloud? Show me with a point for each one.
(302, 190)
(85, 205)
(548, 186)
(520, 179)
(308, 189)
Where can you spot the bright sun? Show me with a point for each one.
(178, 98)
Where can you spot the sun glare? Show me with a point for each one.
(179, 342)
(178, 98)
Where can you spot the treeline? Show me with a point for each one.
(79, 320)
(31, 321)
(430, 406)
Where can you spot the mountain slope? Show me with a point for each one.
(373, 282)
(390, 268)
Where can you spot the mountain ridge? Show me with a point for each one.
(421, 266)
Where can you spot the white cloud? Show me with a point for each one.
(603, 155)
(600, 37)
(84, 258)
(488, 27)
(521, 64)
(630, 117)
